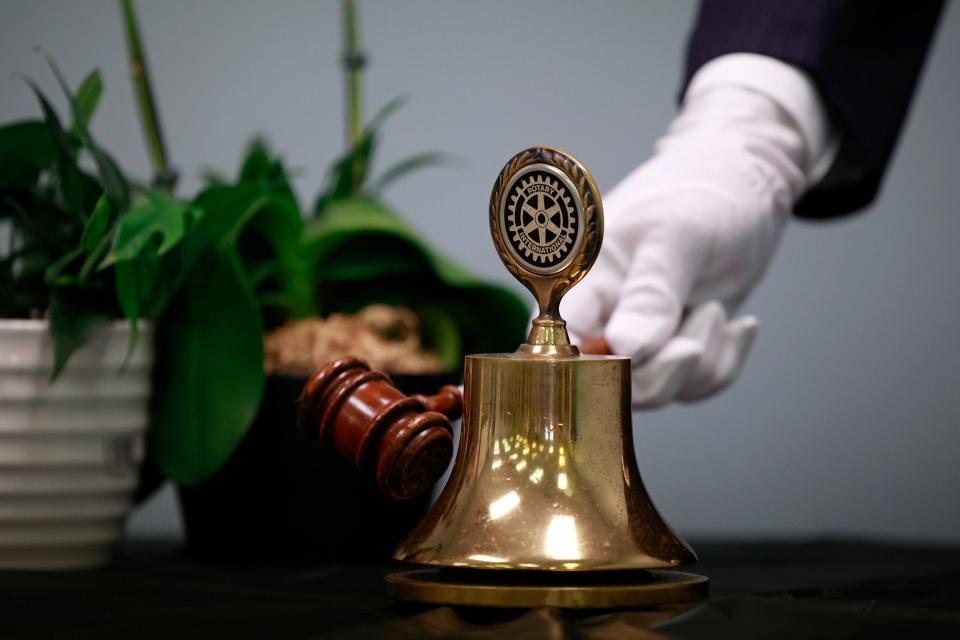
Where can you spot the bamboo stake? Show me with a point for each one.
(163, 176)
(353, 61)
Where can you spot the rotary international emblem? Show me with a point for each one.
(541, 219)
(546, 222)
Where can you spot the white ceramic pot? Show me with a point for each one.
(69, 450)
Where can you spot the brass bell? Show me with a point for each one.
(545, 505)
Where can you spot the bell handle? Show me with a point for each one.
(540, 186)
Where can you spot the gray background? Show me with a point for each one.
(845, 420)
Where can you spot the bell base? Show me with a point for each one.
(621, 589)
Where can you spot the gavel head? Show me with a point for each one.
(403, 442)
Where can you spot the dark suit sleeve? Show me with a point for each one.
(865, 57)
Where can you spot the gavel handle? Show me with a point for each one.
(448, 401)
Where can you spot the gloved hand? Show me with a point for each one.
(690, 232)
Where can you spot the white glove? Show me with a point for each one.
(689, 233)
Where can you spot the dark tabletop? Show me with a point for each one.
(758, 590)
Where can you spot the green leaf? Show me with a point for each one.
(349, 172)
(71, 324)
(213, 177)
(94, 257)
(221, 209)
(224, 208)
(109, 172)
(130, 288)
(410, 165)
(270, 243)
(266, 230)
(137, 285)
(357, 238)
(53, 271)
(264, 169)
(96, 226)
(385, 112)
(26, 149)
(157, 220)
(257, 163)
(111, 179)
(211, 379)
(68, 174)
(87, 96)
(215, 214)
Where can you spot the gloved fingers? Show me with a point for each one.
(705, 325)
(657, 381)
(704, 357)
(594, 346)
(651, 299)
(587, 306)
(716, 372)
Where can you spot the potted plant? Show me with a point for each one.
(212, 276)
(279, 496)
(92, 265)
(81, 275)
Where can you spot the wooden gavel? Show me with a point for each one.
(404, 442)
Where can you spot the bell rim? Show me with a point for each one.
(515, 356)
(432, 587)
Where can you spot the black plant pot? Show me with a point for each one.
(282, 498)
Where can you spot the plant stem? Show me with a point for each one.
(163, 177)
(353, 65)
